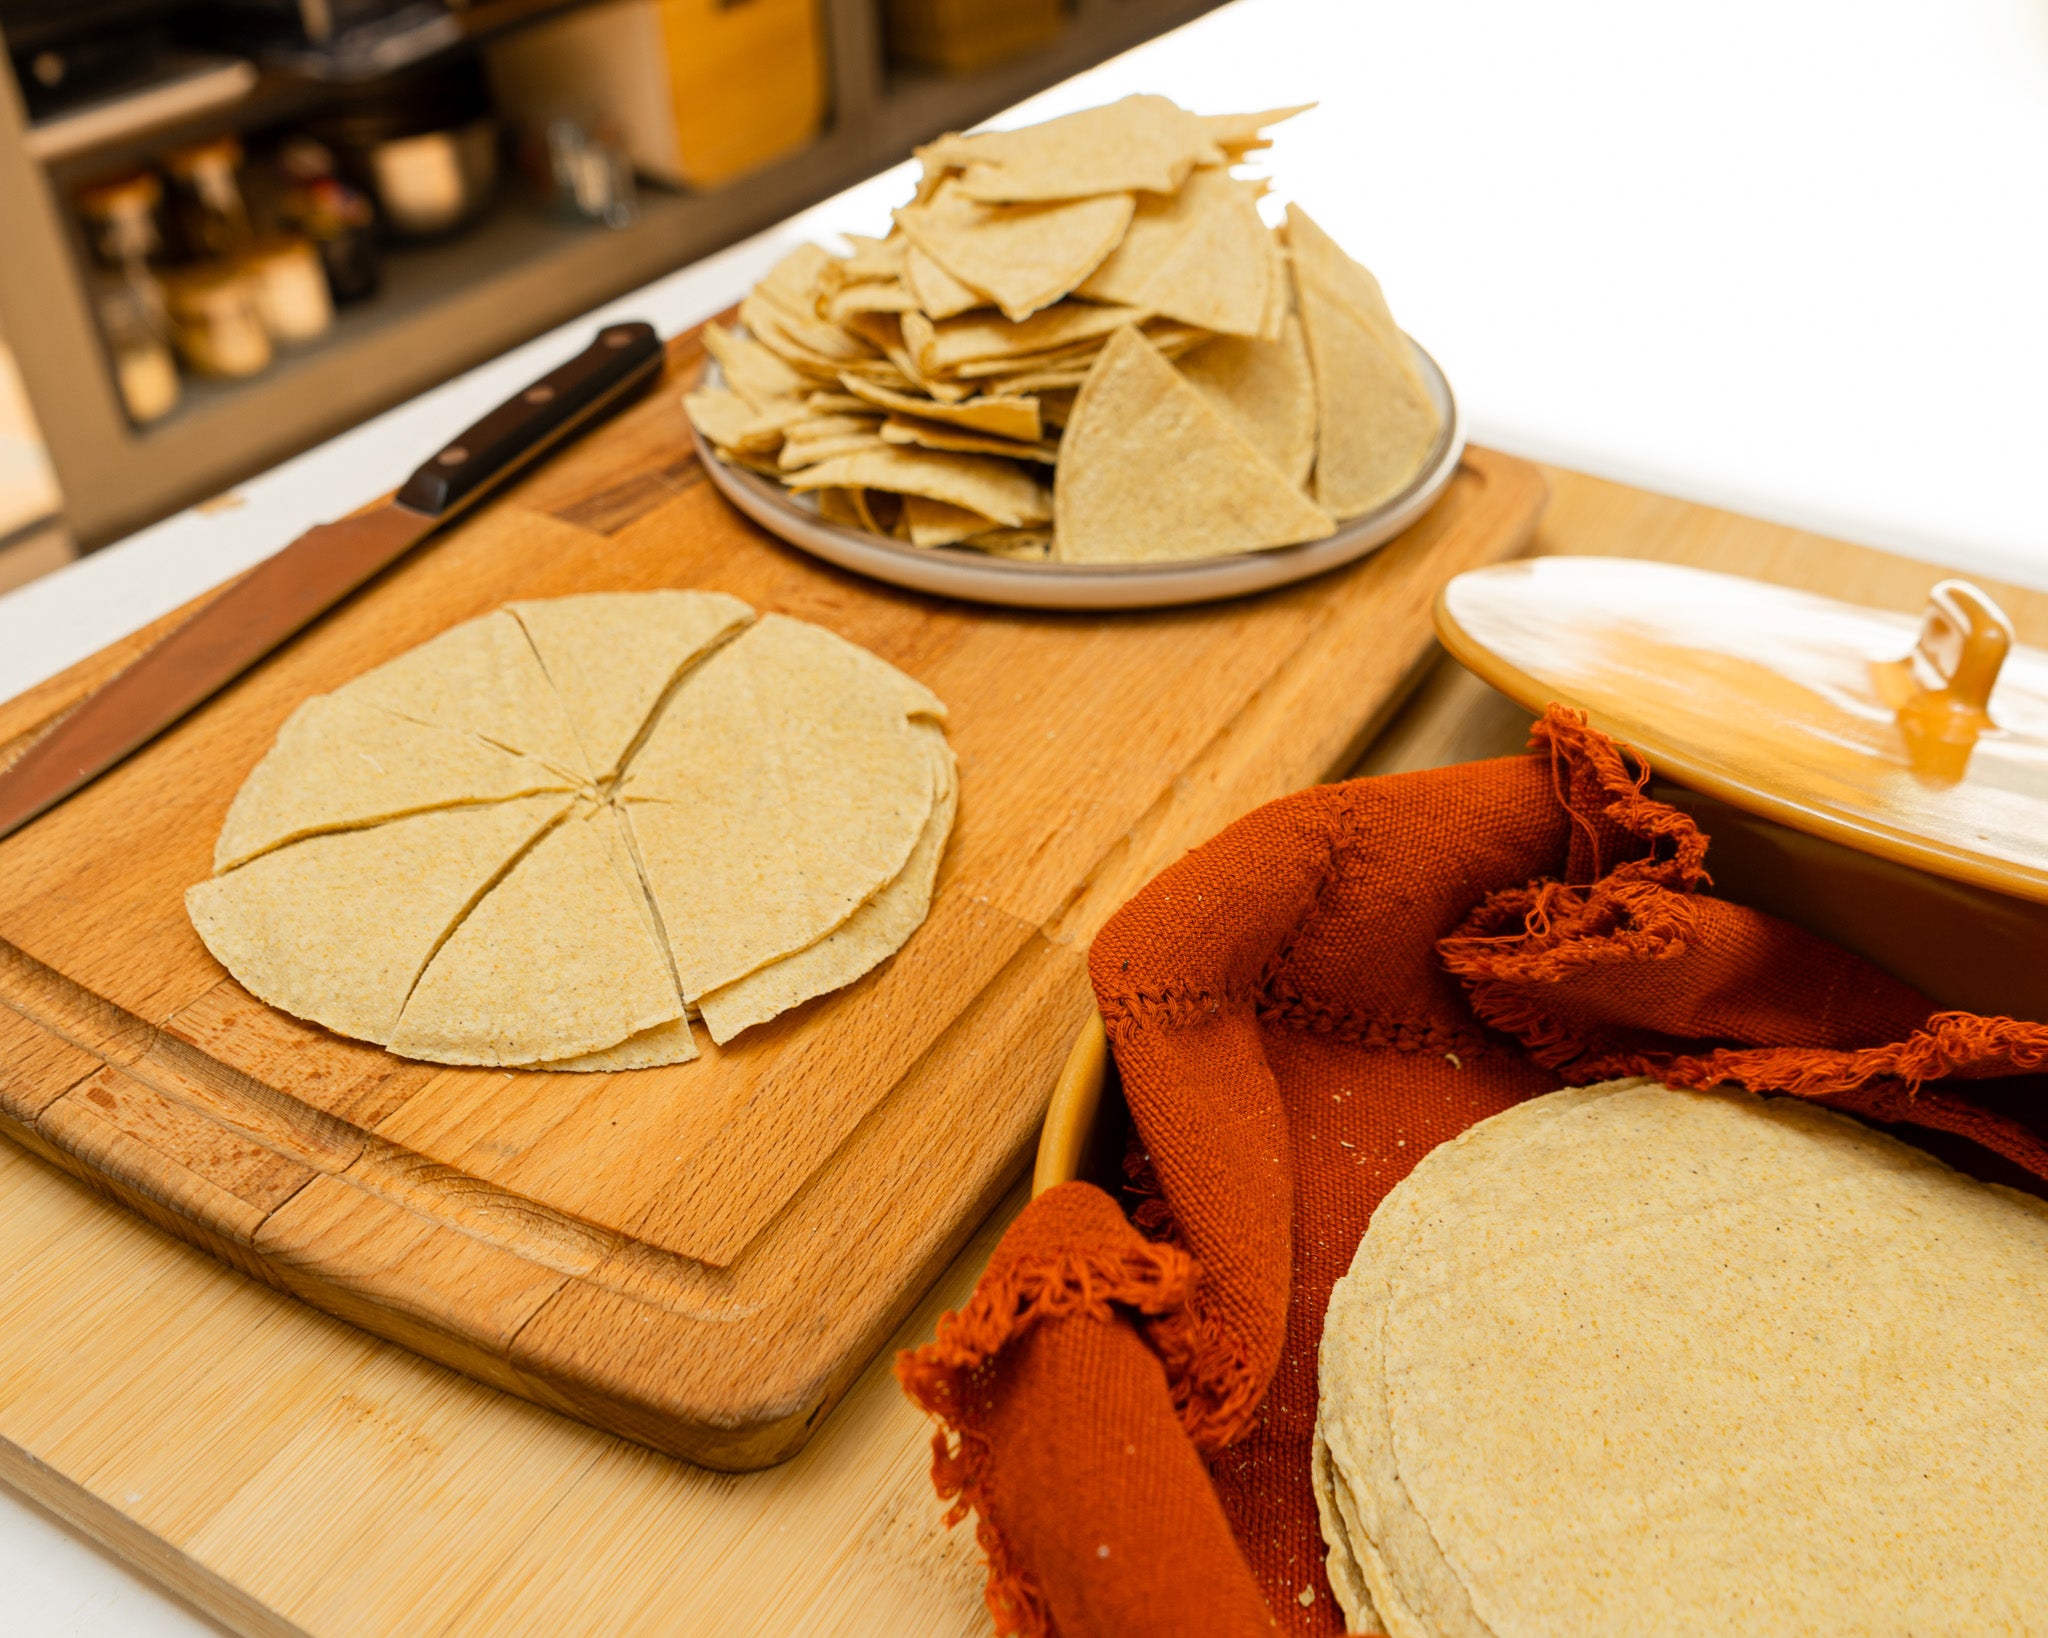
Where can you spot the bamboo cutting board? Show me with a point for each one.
(701, 1257)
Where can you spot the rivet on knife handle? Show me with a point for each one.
(624, 358)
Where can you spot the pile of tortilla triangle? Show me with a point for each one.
(1081, 342)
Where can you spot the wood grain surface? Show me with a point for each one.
(291, 1474)
(699, 1257)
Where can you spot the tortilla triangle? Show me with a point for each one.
(1375, 421)
(1025, 256)
(1150, 470)
(1218, 275)
(337, 928)
(612, 655)
(480, 677)
(1267, 391)
(556, 960)
(876, 930)
(341, 763)
(1144, 142)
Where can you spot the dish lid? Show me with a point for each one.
(1924, 742)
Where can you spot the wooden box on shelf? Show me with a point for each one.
(965, 36)
(702, 90)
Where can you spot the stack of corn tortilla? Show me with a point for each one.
(1079, 342)
(1627, 1360)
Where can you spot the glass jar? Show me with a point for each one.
(336, 217)
(215, 317)
(290, 288)
(209, 217)
(144, 371)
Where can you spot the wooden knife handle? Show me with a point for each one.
(617, 367)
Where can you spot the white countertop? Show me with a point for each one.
(1784, 256)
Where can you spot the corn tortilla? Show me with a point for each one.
(1810, 1357)
(340, 764)
(1266, 390)
(979, 337)
(393, 877)
(556, 961)
(1143, 143)
(1375, 422)
(336, 928)
(1150, 470)
(939, 295)
(934, 523)
(997, 489)
(1000, 417)
(612, 655)
(1025, 256)
(481, 677)
(877, 930)
(670, 1043)
(752, 859)
(914, 430)
(750, 369)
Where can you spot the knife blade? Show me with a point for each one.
(289, 590)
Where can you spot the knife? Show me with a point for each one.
(288, 591)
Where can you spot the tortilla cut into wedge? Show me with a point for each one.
(1218, 274)
(836, 506)
(670, 1043)
(781, 789)
(481, 677)
(338, 927)
(934, 523)
(1375, 421)
(1002, 490)
(984, 337)
(1238, 132)
(750, 369)
(1319, 257)
(1150, 470)
(876, 296)
(1010, 417)
(1266, 390)
(794, 280)
(730, 422)
(1143, 143)
(873, 933)
(915, 430)
(613, 655)
(1159, 224)
(340, 763)
(1025, 256)
(799, 453)
(555, 961)
(1020, 545)
(939, 295)
(802, 333)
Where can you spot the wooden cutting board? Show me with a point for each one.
(702, 1257)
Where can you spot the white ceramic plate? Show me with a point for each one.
(950, 571)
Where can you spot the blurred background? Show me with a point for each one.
(235, 227)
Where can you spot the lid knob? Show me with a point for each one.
(1942, 690)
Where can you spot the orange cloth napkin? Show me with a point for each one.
(1300, 1010)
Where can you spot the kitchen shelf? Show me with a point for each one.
(447, 307)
